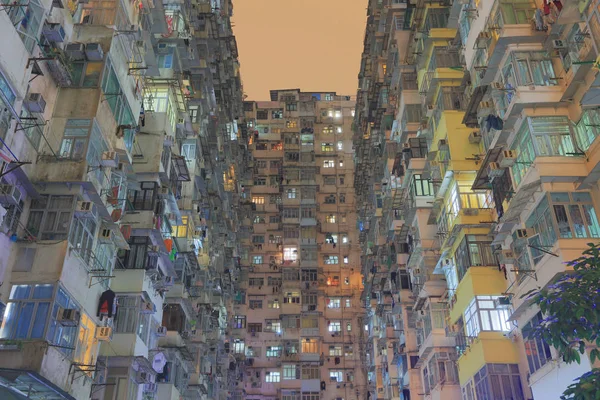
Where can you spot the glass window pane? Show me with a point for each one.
(591, 220)
(20, 292)
(563, 221)
(577, 220)
(10, 318)
(41, 316)
(24, 321)
(43, 291)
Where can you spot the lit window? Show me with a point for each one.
(331, 260)
(348, 326)
(338, 114)
(258, 199)
(328, 130)
(328, 163)
(330, 113)
(340, 145)
(291, 371)
(346, 260)
(310, 346)
(345, 239)
(330, 219)
(290, 254)
(348, 350)
(341, 163)
(334, 326)
(272, 377)
(335, 350)
(334, 303)
(257, 259)
(327, 147)
(339, 129)
(348, 303)
(336, 375)
(239, 347)
(273, 351)
(353, 112)
(291, 193)
(273, 304)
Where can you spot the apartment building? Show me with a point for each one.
(475, 182)
(298, 322)
(121, 151)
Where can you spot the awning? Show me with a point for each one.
(32, 383)
(520, 200)
(470, 118)
(181, 168)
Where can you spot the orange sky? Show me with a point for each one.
(306, 44)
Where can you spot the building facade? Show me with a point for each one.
(476, 182)
(298, 323)
(120, 148)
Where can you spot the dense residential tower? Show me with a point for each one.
(476, 160)
(299, 322)
(121, 152)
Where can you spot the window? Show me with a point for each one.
(290, 274)
(330, 219)
(291, 123)
(346, 260)
(340, 145)
(257, 259)
(338, 113)
(331, 260)
(50, 217)
(348, 350)
(336, 375)
(482, 315)
(256, 281)
(75, 139)
(255, 304)
(258, 239)
(81, 237)
(117, 101)
(328, 163)
(537, 350)
(273, 351)
(27, 313)
(334, 302)
(260, 181)
(309, 275)
(262, 114)
(255, 327)
(330, 199)
(291, 106)
(239, 347)
(328, 130)
(327, 147)
(290, 254)
(473, 251)
(277, 114)
(272, 377)
(273, 304)
(309, 346)
(274, 219)
(498, 381)
(310, 371)
(291, 193)
(345, 239)
(291, 212)
(338, 129)
(422, 187)
(291, 371)
(335, 350)
(258, 199)
(348, 303)
(329, 179)
(239, 322)
(291, 298)
(349, 326)
(290, 232)
(334, 326)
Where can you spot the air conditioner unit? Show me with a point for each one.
(497, 85)
(105, 235)
(507, 158)
(486, 105)
(475, 137)
(494, 170)
(524, 233)
(110, 159)
(104, 333)
(75, 51)
(54, 32)
(85, 209)
(161, 331)
(559, 44)
(416, 271)
(35, 103)
(507, 257)
(10, 194)
(430, 110)
(169, 141)
(503, 302)
(94, 52)
(68, 316)
(168, 281)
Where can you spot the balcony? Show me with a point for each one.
(510, 23)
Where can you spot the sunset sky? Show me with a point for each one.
(307, 44)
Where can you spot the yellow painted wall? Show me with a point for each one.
(489, 348)
(478, 281)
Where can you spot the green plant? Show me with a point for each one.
(571, 321)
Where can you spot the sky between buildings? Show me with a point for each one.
(306, 44)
